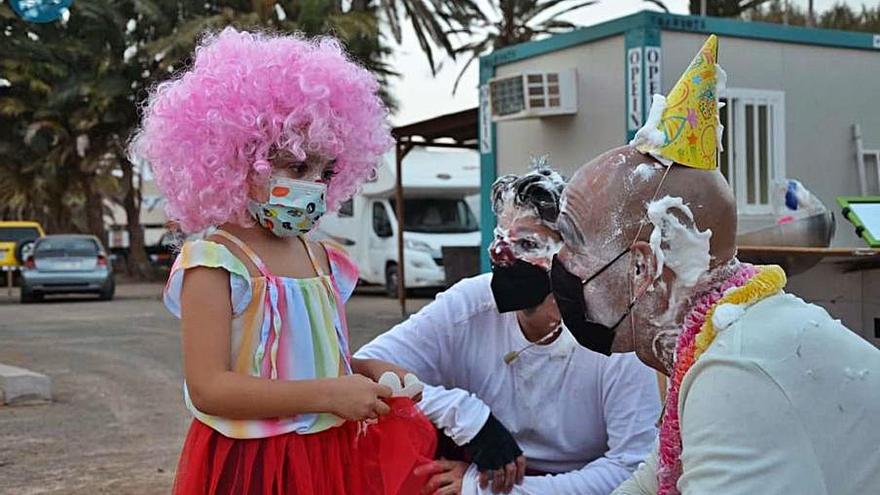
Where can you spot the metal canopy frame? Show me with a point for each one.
(453, 130)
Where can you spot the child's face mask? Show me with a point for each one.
(293, 208)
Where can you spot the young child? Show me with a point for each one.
(257, 139)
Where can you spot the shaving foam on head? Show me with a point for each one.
(527, 208)
(646, 171)
(720, 86)
(683, 249)
(649, 137)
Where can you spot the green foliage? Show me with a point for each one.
(725, 8)
(840, 16)
(69, 90)
(511, 22)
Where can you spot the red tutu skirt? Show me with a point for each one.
(352, 459)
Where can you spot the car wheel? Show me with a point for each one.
(391, 280)
(108, 291)
(28, 296)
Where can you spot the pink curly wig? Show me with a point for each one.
(211, 129)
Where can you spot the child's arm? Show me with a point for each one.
(214, 389)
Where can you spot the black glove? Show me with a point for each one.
(493, 447)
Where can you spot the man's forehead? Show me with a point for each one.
(528, 228)
(518, 218)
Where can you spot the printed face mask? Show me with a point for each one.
(293, 208)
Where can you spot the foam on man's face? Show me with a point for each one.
(521, 235)
(527, 207)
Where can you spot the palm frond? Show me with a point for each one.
(12, 107)
(660, 4)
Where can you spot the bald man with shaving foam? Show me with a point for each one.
(767, 394)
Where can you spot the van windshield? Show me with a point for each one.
(18, 234)
(437, 216)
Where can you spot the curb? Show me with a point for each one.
(20, 385)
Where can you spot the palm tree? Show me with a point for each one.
(433, 21)
(69, 93)
(356, 25)
(58, 102)
(516, 21)
(68, 108)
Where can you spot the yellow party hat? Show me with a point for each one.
(687, 130)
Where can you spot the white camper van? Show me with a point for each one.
(438, 187)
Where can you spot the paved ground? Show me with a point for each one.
(117, 422)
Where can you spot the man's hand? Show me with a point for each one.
(503, 479)
(445, 477)
(497, 456)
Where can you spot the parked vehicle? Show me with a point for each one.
(436, 186)
(63, 264)
(160, 254)
(16, 239)
(164, 252)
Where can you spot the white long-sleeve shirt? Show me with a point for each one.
(575, 412)
(785, 401)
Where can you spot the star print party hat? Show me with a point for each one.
(683, 127)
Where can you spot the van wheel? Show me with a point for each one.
(391, 280)
(23, 249)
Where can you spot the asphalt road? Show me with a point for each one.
(117, 420)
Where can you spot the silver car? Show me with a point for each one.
(64, 264)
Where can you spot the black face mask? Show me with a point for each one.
(568, 289)
(519, 286)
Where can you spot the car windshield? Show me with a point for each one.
(65, 246)
(18, 234)
(436, 216)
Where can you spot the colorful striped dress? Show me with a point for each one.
(292, 329)
(282, 328)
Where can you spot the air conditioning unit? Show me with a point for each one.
(533, 94)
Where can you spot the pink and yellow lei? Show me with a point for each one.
(747, 286)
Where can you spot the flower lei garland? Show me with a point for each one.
(747, 286)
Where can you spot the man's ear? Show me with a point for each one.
(643, 270)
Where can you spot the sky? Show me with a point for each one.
(422, 96)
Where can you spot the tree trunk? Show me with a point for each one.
(138, 265)
(94, 209)
(57, 213)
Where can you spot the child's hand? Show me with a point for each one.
(375, 368)
(356, 398)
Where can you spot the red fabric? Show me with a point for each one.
(377, 459)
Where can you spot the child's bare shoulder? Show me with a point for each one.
(319, 251)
